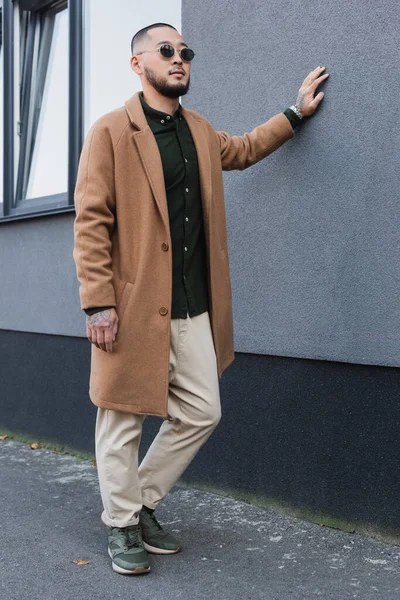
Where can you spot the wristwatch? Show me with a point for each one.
(296, 110)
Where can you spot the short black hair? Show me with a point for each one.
(141, 34)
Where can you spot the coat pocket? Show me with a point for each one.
(123, 301)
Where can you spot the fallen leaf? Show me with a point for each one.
(54, 451)
(3, 437)
(35, 446)
(322, 524)
(94, 463)
(80, 562)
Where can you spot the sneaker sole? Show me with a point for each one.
(122, 571)
(154, 550)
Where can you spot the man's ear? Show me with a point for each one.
(135, 65)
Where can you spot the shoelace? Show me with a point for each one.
(132, 537)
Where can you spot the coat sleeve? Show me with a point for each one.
(95, 217)
(241, 152)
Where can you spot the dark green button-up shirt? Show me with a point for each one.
(182, 186)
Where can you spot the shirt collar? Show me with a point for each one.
(158, 115)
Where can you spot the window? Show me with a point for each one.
(1, 109)
(42, 42)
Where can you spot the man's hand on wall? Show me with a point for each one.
(102, 329)
(306, 102)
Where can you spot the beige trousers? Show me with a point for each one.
(193, 413)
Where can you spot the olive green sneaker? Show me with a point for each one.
(155, 539)
(125, 548)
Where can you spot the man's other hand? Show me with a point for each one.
(306, 102)
(102, 329)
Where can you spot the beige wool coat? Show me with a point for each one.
(123, 246)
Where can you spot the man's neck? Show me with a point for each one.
(159, 102)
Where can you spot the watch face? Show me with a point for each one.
(296, 110)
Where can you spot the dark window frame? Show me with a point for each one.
(57, 203)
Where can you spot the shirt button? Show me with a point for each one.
(187, 189)
(185, 159)
(165, 247)
(168, 118)
(187, 219)
(185, 249)
(163, 311)
(162, 121)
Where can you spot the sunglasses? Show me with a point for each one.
(168, 51)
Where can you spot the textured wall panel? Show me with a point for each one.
(39, 288)
(314, 229)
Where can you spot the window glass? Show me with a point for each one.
(1, 115)
(49, 168)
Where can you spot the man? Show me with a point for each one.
(151, 256)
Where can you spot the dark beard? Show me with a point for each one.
(164, 88)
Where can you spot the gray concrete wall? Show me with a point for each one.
(39, 289)
(314, 229)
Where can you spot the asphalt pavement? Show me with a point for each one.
(50, 516)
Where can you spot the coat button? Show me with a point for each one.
(165, 247)
(163, 311)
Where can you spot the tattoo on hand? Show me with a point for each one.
(300, 102)
(100, 319)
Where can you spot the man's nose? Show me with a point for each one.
(177, 59)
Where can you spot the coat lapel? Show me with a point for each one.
(151, 159)
(149, 154)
